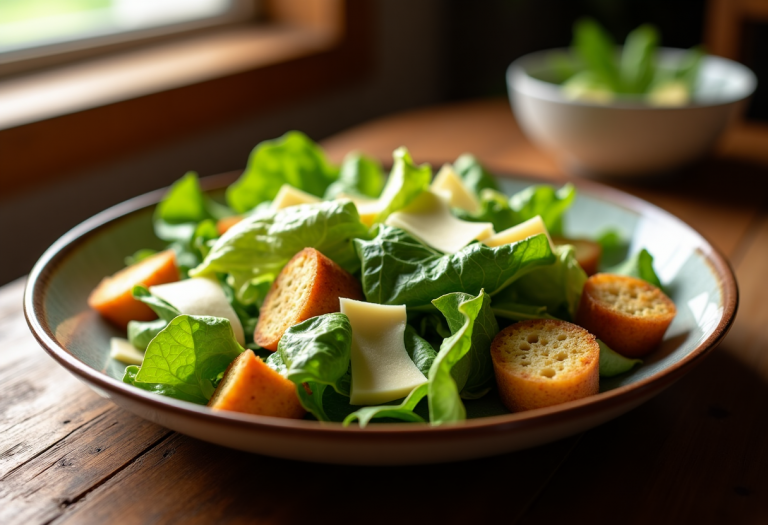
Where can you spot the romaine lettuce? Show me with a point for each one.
(360, 176)
(316, 353)
(261, 244)
(556, 287)
(186, 358)
(399, 269)
(291, 159)
(406, 181)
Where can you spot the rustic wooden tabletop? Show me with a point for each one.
(697, 453)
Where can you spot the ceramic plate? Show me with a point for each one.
(696, 276)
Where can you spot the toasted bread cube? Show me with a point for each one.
(588, 253)
(309, 285)
(626, 313)
(543, 362)
(113, 297)
(252, 387)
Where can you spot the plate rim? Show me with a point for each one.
(36, 288)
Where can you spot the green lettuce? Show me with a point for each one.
(406, 181)
(466, 314)
(478, 378)
(613, 363)
(183, 207)
(399, 269)
(543, 200)
(316, 353)
(547, 202)
(359, 175)
(186, 359)
(158, 388)
(474, 175)
(556, 287)
(639, 265)
(291, 159)
(419, 350)
(140, 333)
(260, 245)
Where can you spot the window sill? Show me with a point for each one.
(73, 117)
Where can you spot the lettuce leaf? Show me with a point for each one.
(140, 333)
(186, 358)
(183, 207)
(543, 200)
(474, 175)
(359, 175)
(556, 287)
(293, 159)
(404, 411)
(159, 388)
(399, 269)
(419, 350)
(479, 375)
(316, 352)
(639, 265)
(445, 405)
(406, 181)
(546, 201)
(260, 245)
(613, 363)
(465, 314)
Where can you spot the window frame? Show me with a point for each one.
(46, 55)
(327, 41)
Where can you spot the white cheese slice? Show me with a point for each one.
(430, 219)
(290, 196)
(200, 296)
(367, 208)
(381, 368)
(122, 350)
(517, 233)
(461, 196)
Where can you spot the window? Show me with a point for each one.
(31, 29)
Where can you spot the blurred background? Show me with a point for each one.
(103, 100)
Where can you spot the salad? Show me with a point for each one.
(595, 72)
(379, 230)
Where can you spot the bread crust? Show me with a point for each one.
(626, 313)
(113, 297)
(544, 362)
(252, 387)
(309, 285)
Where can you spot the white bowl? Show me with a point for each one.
(626, 137)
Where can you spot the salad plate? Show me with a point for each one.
(695, 275)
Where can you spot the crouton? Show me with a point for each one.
(588, 253)
(252, 387)
(113, 299)
(309, 285)
(543, 362)
(626, 313)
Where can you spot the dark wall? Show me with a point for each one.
(482, 37)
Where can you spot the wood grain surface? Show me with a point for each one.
(697, 453)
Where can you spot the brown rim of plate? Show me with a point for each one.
(36, 289)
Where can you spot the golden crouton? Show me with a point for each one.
(626, 313)
(250, 386)
(308, 286)
(543, 362)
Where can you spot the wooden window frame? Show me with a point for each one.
(65, 119)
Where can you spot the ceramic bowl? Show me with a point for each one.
(697, 277)
(625, 138)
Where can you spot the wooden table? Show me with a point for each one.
(698, 453)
